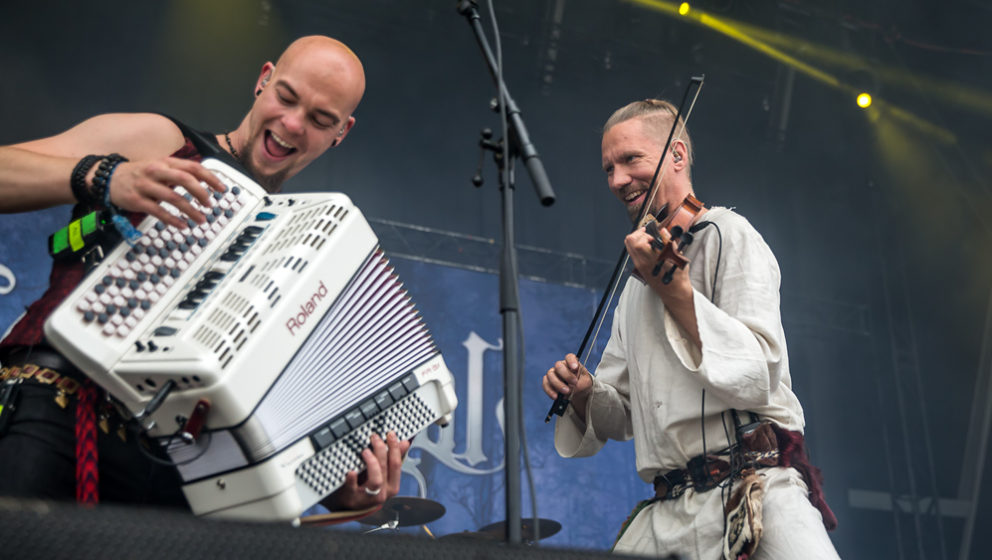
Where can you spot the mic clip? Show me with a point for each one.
(486, 143)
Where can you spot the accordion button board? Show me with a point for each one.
(283, 318)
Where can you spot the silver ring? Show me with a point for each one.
(371, 492)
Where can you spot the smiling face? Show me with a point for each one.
(304, 106)
(631, 150)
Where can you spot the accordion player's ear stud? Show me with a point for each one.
(265, 80)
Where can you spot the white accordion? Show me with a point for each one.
(282, 330)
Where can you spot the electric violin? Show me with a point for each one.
(671, 233)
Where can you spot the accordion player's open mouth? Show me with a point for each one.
(276, 146)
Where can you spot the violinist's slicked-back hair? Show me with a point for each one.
(658, 115)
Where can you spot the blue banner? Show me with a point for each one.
(461, 466)
(24, 260)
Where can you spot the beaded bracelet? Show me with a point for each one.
(101, 187)
(78, 180)
(101, 180)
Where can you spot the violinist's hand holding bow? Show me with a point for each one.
(677, 295)
(570, 378)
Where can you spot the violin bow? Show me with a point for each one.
(560, 405)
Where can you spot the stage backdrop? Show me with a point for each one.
(24, 260)
(462, 465)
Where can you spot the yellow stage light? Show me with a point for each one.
(683, 8)
(864, 100)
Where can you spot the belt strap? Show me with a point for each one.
(757, 447)
(87, 473)
(66, 385)
(44, 357)
(704, 473)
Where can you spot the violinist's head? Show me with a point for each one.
(633, 139)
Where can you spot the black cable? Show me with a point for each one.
(169, 463)
(702, 419)
(504, 122)
(719, 252)
(526, 451)
(726, 432)
(702, 398)
(727, 485)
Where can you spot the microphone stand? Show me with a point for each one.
(517, 145)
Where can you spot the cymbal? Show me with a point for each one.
(547, 528)
(405, 512)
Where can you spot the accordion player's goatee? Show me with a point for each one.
(282, 313)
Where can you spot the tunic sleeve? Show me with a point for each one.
(608, 407)
(743, 343)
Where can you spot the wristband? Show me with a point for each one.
(101, 185)
(101, 180)
(78, 180)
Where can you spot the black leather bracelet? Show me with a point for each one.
(78, 180)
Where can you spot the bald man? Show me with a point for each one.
(304, 105)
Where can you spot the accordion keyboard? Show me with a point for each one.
(141, 275)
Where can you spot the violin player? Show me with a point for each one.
(696, 371)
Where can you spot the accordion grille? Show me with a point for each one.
(326, 470)
(227, 328)
(311, 229)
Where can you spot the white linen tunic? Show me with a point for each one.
(650, 382)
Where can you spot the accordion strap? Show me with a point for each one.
(206, 144)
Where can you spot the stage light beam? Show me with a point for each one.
(749, 36)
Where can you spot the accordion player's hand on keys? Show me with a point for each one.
(380, 480)
(140, 186)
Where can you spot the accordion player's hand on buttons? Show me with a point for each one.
(380, 480)
(140, 186)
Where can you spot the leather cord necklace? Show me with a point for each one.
(227, 136)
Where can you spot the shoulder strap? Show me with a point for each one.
(207, 145)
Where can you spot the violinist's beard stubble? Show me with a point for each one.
(635, 211)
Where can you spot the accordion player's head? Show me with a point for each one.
(304, 105)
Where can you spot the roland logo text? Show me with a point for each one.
(306, 310)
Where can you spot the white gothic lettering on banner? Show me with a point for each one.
(444, 447)
(7, 280)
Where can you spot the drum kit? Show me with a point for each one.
(402, 511)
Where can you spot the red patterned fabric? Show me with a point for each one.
(87, 455)
(64, 278)
(29, 331)
(792, 449)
